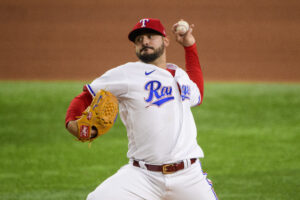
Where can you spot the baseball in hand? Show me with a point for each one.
(182, 27)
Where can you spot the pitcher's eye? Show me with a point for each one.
(138, 39)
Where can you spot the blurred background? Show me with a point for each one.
(238, 40)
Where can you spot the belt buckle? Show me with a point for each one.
(165, 169)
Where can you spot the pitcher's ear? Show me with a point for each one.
(166, 41)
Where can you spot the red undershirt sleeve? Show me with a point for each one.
(193, 68)
(78, 105)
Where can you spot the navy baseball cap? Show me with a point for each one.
(147, 25)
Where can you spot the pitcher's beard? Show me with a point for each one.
(148, 58)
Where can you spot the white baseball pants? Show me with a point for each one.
(134, 183)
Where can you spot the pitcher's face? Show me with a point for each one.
(149, 47)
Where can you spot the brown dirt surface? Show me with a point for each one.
(243, 40)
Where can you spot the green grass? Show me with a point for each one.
(249, 133)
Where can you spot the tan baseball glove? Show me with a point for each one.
(100, 115)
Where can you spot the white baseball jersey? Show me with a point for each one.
(155, 108)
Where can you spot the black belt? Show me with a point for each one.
(166, 168)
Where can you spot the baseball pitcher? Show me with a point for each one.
(154, 100)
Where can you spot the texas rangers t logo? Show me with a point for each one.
(143, 22)
(158, 95)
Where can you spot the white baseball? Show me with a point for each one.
(182, 27)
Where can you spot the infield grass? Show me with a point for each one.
(249, 133)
